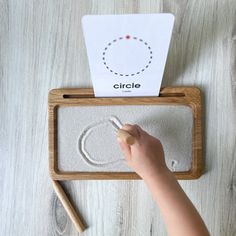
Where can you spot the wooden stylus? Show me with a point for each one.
(75, 218)
(125, 136)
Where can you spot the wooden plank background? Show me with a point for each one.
(41, 47)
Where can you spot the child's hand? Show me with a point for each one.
(146, 155)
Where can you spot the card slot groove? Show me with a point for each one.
(85, 96)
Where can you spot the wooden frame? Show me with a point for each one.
(189, 96)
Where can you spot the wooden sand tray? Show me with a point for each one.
(188, 96)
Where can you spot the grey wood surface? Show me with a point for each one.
(41, 47)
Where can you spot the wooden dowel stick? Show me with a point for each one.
(125, 136)
(75, 218)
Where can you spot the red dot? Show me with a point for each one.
(127, 36)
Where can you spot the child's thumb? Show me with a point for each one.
(125, 148)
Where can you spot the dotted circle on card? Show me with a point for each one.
(127, 37)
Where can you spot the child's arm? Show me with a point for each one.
(146, 158)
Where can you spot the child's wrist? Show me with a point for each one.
(160, 175)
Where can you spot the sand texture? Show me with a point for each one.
(87, 137)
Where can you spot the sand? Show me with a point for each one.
(87, 138)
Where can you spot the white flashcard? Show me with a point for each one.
(127, 53)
